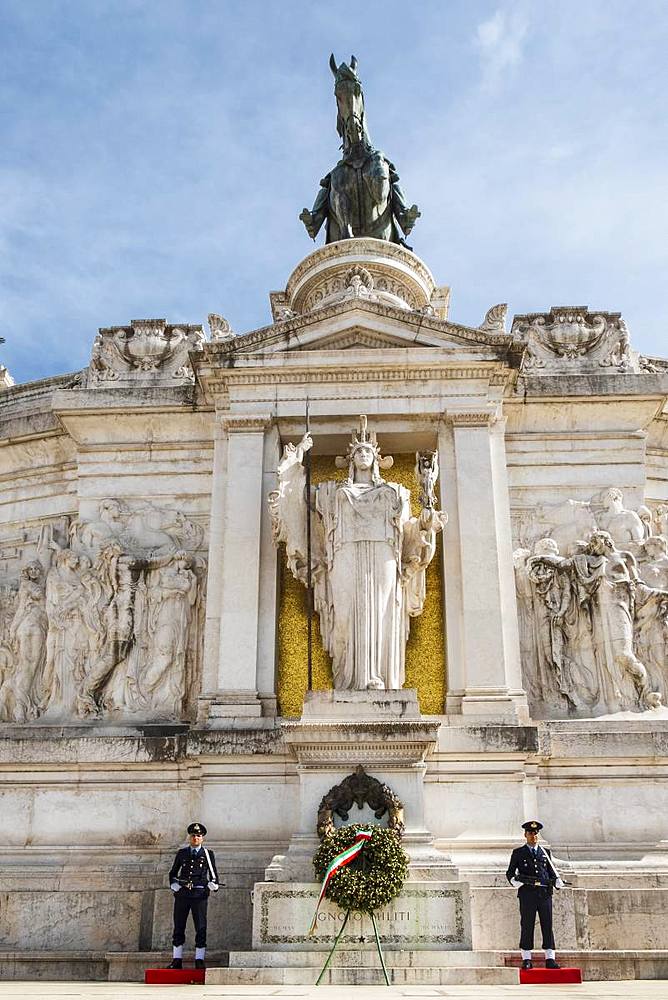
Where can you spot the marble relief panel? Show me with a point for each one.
(105, 620)
(592, 593)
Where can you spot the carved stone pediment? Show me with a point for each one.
(361, 322)
(147, 351)
(572, 339)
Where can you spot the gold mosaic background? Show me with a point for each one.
(425, 653)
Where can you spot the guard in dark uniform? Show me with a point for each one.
(192, 878)
(531, 869)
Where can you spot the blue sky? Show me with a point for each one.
(154, 156)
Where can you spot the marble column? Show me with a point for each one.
(230, 684)
(486, 671)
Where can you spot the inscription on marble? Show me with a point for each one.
(425, 915)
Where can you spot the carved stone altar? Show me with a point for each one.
(386, 732)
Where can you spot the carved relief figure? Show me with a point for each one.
(605, 579)
(564, 660)
(20, 692)
(573, 339)
(661, 518)
(624, 526)
(71, 614)
(172, 596)
(147, 349)
(369, 559)
(116, 575)
(651, 642)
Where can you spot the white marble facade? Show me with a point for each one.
(138, 584)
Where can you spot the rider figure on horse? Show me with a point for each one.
(361, 196)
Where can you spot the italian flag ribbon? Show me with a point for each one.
(340, 861)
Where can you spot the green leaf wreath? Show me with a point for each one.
(372, 880)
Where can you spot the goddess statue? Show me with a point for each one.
(368, 558)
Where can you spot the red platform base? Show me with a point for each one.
(554, 977)
(174, 977)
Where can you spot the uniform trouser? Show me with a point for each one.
(183, 905)
(532, 902)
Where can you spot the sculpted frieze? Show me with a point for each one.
(148, 349)
(357, 282)
(592, 595)
(107, 624)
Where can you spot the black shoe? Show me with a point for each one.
(176, 963)
(199, 963)
(527, 964)
(551, 964)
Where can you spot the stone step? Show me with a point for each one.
(364, 957)
(346, 976)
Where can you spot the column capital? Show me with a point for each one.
(232, 422)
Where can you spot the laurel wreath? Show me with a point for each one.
(374, 879)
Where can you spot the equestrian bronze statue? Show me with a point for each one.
(361, 196)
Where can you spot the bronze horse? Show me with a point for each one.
(361, 196)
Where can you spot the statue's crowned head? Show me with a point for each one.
(363, 453)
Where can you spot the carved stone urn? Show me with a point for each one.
(149, 343)
(571, 332)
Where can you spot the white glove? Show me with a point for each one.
(559, 884)
(175, 886)
(515, 882)
(213, 886)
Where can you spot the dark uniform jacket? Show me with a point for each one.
(193, 872)
(533, 872)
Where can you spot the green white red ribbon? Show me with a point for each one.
(340, 861)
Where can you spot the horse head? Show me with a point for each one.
(350, 121)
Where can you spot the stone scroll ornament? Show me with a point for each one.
(368, 556)
(361, 196)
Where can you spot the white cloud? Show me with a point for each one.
(500, 41)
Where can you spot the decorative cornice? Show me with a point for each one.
(271, 376)
(366, 752)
